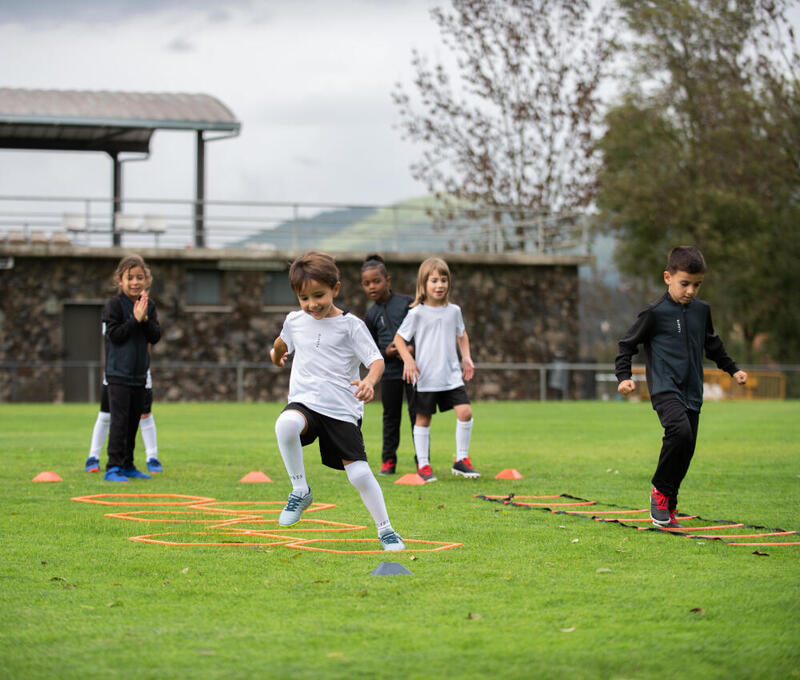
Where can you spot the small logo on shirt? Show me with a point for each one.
(319, 338)
(678, 323)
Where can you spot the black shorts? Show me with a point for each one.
(427, 402)
(148, 400)
(338, 439)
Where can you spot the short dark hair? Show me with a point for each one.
(686, 259)
(313, 266)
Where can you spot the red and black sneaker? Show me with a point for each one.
(659, 508)
(426, 472)
(673, 522)
(464, 468)
(388, 467)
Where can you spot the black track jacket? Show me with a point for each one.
(674, 338)
(383, 322)
(127, 358)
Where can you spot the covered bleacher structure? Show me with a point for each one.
(115, 123)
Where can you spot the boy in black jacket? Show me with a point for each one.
(675, 330)
(130, 322)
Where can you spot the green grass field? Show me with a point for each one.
(530, 594)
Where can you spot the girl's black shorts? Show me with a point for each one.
(427, 402)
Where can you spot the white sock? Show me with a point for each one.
(288, 427)
(99, 434)
(422, 442)
(463, 435)
(147, 426)
(361, 477)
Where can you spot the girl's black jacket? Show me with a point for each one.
(674, 338)
(127, 356)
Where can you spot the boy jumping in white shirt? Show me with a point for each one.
(326, 394)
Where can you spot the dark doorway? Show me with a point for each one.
(83, 341)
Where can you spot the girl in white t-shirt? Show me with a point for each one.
(326, 392)
(439, 334)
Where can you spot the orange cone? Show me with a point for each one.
(255, 476)
(47, 477)
(508, 473)
(410, 478)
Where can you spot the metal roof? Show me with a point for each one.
(81, 120)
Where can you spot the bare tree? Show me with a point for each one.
(512, 130)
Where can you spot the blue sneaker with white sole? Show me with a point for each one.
(92, 464)
(133, 473)
(294, 508)
(114, 474)
(154, 465)
(390, 540)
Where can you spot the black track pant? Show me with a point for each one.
(126, 404)
(392, 399)
(677, 448)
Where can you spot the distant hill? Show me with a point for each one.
(306, 232)
(405, 226)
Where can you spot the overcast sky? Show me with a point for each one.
(310, 81)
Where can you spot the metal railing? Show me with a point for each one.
(422, 225)
(556, 380)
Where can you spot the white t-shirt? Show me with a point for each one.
(435, 330)
(327, 355)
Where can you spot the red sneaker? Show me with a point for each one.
(659, 508)
(673, 522)
(464, 468)
(388, 467)
(426, 472)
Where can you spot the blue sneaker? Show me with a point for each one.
(92, 464)
(154, 465)
(390, 540)
(133, 473)
(114, 474)
(294, 508)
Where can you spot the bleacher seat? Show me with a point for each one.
(61, 238)
(125, 222)
(74, 222)
(156, 225)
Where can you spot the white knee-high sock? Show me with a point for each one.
(361, 477)
(463, 435)
(422, 442)
(147, 426)
(288, 427)
(99, 434)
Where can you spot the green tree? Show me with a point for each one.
(703, 149)
(511, 124)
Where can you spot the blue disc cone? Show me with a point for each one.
(389, 569)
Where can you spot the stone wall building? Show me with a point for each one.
(220, 311)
